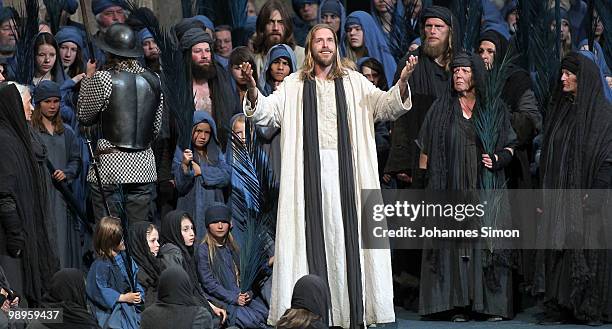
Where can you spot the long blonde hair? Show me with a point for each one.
(339, 65)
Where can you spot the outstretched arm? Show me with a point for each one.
(264, 111)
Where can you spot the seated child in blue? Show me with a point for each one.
(114, 301)
(219, 267)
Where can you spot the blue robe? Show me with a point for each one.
(64, 154)
(107, 280)
(196, 194)
(220, 282)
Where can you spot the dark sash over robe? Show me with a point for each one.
(315, 246)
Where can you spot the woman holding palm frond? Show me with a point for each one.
(459, 281)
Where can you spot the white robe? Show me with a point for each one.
(283, 109)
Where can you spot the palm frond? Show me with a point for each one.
(186, 8)
(175, 85)
(254, 206)
(468, 14)
(238, 11)
(539, 44)
(27, 30)
(403, 32)
(489, 122)
(54, 12)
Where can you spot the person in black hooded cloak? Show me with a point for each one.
(577, 154)
(175, 306)
(25, 250)
(310, 304)
(67, 292)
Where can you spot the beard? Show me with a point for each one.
(203, 72)
(321, 61)
(435, 51)
(7, 48)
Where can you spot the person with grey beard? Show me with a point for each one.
(429, 82)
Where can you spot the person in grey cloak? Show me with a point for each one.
(64, 158)
(457, 280)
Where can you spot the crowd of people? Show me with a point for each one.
(121, 213)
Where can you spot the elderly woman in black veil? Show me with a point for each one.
(576, 154)
(28, 262)
(457, 282)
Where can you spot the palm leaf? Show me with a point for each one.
(27, 30)
(186, 8)
(175, 85)
(403, 33)
(238, 11)
(54, 12)
(256, 207)
(489, 123)
(468, 14)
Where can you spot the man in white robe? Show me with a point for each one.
(365, 104)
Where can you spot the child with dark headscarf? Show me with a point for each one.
(175, 306)
(144, 247)
(178, 250)
(309, 305)
(67, 292)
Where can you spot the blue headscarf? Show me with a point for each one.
(241, 35)
(591, 56)
(398, 12)
(599, 55)
(297, 4)
(70, 34)
(145, 34)
(206, 21)
(277, 51)
(213, 150)
(335, 5)
(45, 90)
(70, 6)
(98, 6)
(374, 41)
(493, 19)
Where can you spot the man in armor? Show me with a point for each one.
(125, 102)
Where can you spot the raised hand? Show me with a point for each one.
(409, 68)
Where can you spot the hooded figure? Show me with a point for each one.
(67, 292)
(459, 279)
(175, 306)
(25, 251)
(56, 73)
(149, 265)
(310, 293)
(429, 81)
(373, 41)
(197, 191)
(577, 154)
(387, 24)
(336, 8)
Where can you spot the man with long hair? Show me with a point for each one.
(274, 27)
(327, 113)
